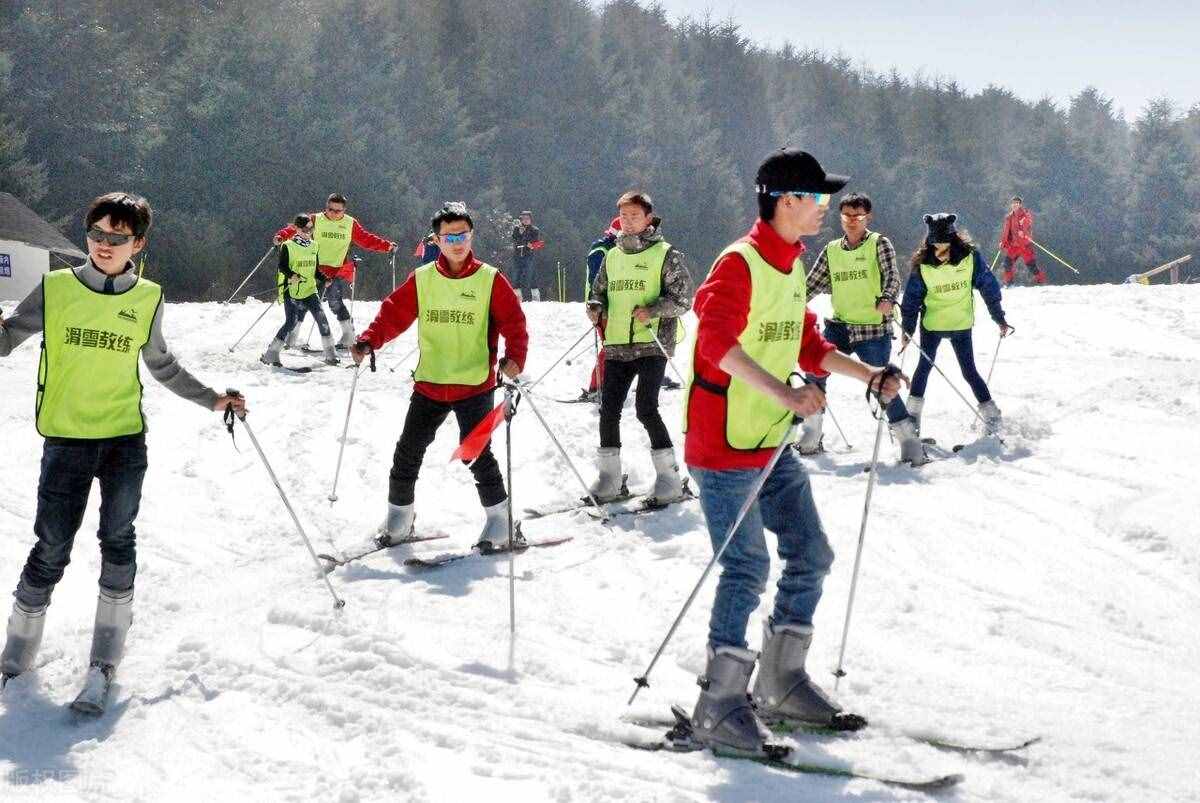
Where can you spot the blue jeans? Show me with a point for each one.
(522, 275)
(876, 351)
(964, 350)
(336, 292)
(785, 507)
(68, 467)
(295, 310)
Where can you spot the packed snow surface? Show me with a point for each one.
(1048, 587)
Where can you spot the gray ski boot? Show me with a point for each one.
(292, 338)
(668, 485)
(610, 484)
(991, 416)
(494, 536)
(348, 336)
(723, 719)
(271, 355)
(114, 616)
(812, 439)
(783, 691)
(915, 405)
(331, 357)
(912, 451)
(25, 628)
(399, 524)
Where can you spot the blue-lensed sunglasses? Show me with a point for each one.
(456, 239)
(821, 198)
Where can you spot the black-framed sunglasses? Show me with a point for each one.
(98, 235)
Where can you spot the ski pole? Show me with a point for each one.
(256, 320)
(880, 416)
(313, 324)
(525, 393)
(995, 356)
(954, 387)
(577, 354)
(570, 349)
(333, 497)
(393, 270)
(510, 409)
(670, 362)
(994, 260)
(251, 273)
(404, 359)
(338, 602)
(1056, 256)
(833, 418)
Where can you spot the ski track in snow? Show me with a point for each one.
(1048, 587)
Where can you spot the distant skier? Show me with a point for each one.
(297, 284)
(641, 290)
(946, 271)
(95, 320)
(461, 307)
(859, 272)
(526, 240)
(334, 232)
(1016, 241)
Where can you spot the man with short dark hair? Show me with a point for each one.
(461, 307)
(859, 271)
(641, 290)
(754, 325)
(95, 321)
(1016, 240)
(526, 240)
(334, 232)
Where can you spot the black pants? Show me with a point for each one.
(335, 294)
(295, 310)
(68, 468)
(421, 425)
(618, 376)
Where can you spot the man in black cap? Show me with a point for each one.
(526, 239)
(754, 326)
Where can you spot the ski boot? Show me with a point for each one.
(114, 616)
(915, 405)
(348, 336)
(723, 719)
(991, 416)
(494, 537)
(911, 449)
(783, 691)
(271, 355)
(610, 484)
(812, 440)
(668, 485)
(25, 628)
(330, 356)
(292, 338)
(1039, 277)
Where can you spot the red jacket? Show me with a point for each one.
(723, 307)
(1018, 231)
(399, 311)
(359, 236)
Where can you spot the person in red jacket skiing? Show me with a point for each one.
(1016, 241)
(334, 232)
(461, 307)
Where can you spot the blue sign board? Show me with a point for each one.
(5, 265)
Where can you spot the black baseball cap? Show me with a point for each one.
(790, 169)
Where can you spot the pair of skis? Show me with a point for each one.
(436, 561)
(625, 503)
(681, 738)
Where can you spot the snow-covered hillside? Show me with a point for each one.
(1050, 587)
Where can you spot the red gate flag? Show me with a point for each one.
(477, 440)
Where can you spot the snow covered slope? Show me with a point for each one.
(1050, 587)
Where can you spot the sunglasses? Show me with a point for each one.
(456, 239)
(821, 198)
(97, 235)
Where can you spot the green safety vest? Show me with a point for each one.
(774, 328)
(332, 239)
(856, 281)
(452, 326)
(949, 296)
(88, 382)
(302, 259)
(634, 280)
